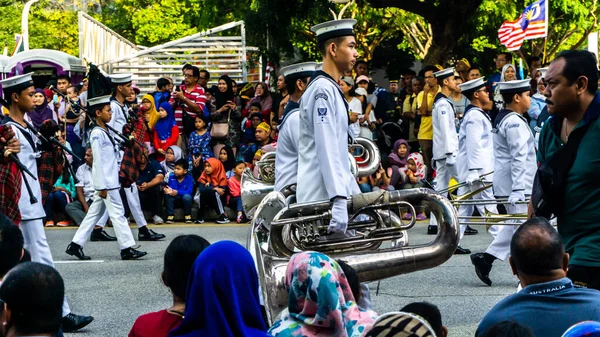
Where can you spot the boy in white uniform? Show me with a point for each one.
(18, 96)
(514, 169)
(105, 174)
(296, 78)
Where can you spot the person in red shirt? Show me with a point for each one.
(179, 259)
(166, 131)
(189, 98)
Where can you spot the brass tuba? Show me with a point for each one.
(280, 230)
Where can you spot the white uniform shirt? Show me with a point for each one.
(119, 115)
(475, 145)
(445, 139)
(355, 106)
(323, 169)
(515, 162)
(105, 169)
(286, 158)
(28, 156)
(85, 181)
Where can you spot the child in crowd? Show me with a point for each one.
(71, 118)
(62, 194)
(166, 132)
(212, 188)
(250, 127)
(172, 155)
(235, 191)
(397, 161)
(199, 149)
(151, 117)
(263, 137)
(380, 180)
(227, 157)
(274, 129)
(413, 173)
(257, 155)
(178, 261)
(179, 189)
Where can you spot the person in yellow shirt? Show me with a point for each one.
(425, 106)
(409, 112)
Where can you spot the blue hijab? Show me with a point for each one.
(164, 125)
(222, 295)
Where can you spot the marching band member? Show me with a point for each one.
(514, 169)
(18, 96)
(445, 139)
(323, 169)
(296, 79)
(105, 174)
(475, 151)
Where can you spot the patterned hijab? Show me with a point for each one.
(152, 113)
(217, 177)
(419, 163)
(320, 301)
(401, 324)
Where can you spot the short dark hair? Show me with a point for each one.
(182, 163)
(74, 88)
(186, 66)
(410, 72)
(352, 278)
(64, 77)
(474, 67)
(205, 72)
(322, 46)
(508, 329)
(195, 71)
(419, 78)
(11, 245)
(256, 104)
(536, 248)
(532, 59)
(34, 293)
(508, 56)
(179, 259)
(290, 84)
(509, 98)
(580, 63)
(430, 312)
(361, 62)
(162, 82)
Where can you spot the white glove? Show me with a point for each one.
(515, 197)
(339, 216)
(472, 177)
(450, 160)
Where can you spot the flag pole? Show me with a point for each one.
(547, 24)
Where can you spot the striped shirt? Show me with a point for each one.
(197, 96)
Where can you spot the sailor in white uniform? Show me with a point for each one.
(323, 169)
(514, 169)
(445, 139)
(475, 159)
(296, 79)
(105, 174)
(18, 96)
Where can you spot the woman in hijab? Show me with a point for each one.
(397, 161)
(226, 111)
(509, 73)
(166, 131)
(151, 116)
(263, 97)
(172, 155)
(212, 190)
(222, 295)
(538, 103)
(41, 110)
(401, 323)
(320, 301)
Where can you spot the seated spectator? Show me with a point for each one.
(172, 155)
(364, 183)
(405, 324)
(61, 195)
(180, 256)
(414, 172)
(257, 155)
(263, 97)
(223, 295)
(314, 311)
(164, 87)
(235, 191)
(11, 246)
(397, 161)
(430, 313)
(166, 131)
(212, 188)
(539, 260)
(263, 137)
(253, 122)
(360, 291)
(84, 195)
(199, 149)
(227, 157)
(274, 130)
(149, 189)
(380, 181)
(33, 297)
(179, 190)
(508, 329)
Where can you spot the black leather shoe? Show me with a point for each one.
(101, 235)
(73, 322)
(150, 236)
(482, 268)
(470, 231)
(461, 251)
(74, 249)
(131, 254)
(432, 230)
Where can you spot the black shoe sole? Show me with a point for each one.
(484, 279)
(82, 258)
(462, 252)
(125, 258)
(80, 326)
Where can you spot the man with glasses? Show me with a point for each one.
(502, 59)
(189, 98)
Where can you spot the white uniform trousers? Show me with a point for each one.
(37, 245)
(135, 206)
(500, 247)
(467, 210)
(114, 205)
(443, 174)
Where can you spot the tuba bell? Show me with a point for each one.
(280, 230)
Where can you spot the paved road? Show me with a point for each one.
(116, 292)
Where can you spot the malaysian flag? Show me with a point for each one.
(532, 24)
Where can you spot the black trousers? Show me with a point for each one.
(582, 276)
(151, 200)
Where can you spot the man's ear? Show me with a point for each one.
(512, 266)
(582, 84)
(565, 262)
(14, 96)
